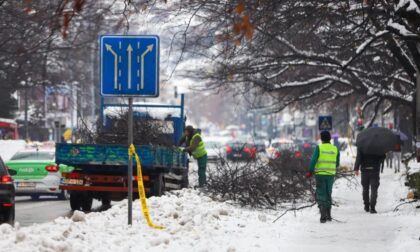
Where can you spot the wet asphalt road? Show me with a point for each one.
(43, 210)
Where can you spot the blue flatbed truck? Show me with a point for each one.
(101, 169)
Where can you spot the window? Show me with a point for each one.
(36, 155)
(213, 145)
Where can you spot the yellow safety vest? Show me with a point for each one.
(327, 160)
(200, 151)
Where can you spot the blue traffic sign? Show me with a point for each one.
(129, 66)
(325, 123)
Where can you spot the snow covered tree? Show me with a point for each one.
(47, 43)
(316, 50)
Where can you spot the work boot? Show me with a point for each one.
(329, 218)
(367, 209)
(373, 210)
(323, 211)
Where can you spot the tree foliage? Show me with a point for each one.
(317, 50)
(49, 42)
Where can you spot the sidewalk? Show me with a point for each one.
(357, 230)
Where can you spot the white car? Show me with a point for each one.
(215, 147)
(279, 145)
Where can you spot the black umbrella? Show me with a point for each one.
(376, 141)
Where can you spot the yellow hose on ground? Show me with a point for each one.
(142, 194)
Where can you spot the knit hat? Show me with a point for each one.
(325, 136)
(189, 129)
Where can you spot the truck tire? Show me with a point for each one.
(87, 203)
(106, 203)
(185, 182)
(75, 201)
(158, 185)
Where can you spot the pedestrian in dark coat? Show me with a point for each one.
(370, 166)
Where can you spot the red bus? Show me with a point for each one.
(8, 129)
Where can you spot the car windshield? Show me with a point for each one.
(214, 145)
(33, 155)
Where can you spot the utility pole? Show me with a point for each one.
(417, 121)
(26, 112)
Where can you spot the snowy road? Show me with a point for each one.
(46, 209)
(49, 208)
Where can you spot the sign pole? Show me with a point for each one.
(129, 67)
(417, 120)
(130, 162)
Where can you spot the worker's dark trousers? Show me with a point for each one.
(202, 166)
(370, 180)
(324, 185)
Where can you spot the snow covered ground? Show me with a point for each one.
(194, 222)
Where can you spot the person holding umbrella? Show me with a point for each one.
(372, 145)
(324, 163)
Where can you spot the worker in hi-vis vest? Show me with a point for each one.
(324, 163)
(195, 147)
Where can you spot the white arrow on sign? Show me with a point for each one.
(109, 49)
(129, 51)
(149, 49)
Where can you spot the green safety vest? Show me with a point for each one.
(200, 151)
(327, 160)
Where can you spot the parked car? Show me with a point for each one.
(277, 146)
(215, 150)
(7, 195)
(236, 151)
(260, 144)
(305, 146)
(37, 173)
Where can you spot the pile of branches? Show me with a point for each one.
(263, 184)
(146, 130)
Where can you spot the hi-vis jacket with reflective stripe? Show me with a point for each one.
(200, 151)
(327, 160)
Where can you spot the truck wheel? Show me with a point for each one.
(184, 182)
(75, 201)
(106, 203)
(87, 203)
(159, 185)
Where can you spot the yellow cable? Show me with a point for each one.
(140, 185)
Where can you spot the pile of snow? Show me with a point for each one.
(9, 147)
(194, 222)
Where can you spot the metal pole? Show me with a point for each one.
(60, 133)
(26, 114)
(417, 121)
(130, 162)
